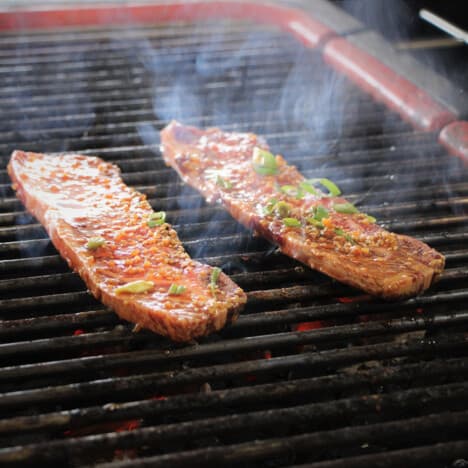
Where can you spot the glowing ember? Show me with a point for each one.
(129, 425)
(115, 426)
(350, 300)
(125, 454)
(265, 355)
(306, 326)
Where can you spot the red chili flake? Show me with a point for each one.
(267, 354)
(78, 332)
(420, 310)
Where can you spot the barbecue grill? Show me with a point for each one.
(313, 372)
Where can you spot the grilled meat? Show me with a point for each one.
(129, 257)
(318, 228)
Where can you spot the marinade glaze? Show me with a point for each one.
(129, 257)
(320, 229)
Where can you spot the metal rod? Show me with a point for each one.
(444, 25)
(389, 433)
(437, 43)
(387, 406)
(430, 373)
(144, 384)
(442, 453)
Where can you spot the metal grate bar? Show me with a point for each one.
(144, 384)
(439, 396)
(238, 397)
(310, 363)
(443, 452)
(387, 434)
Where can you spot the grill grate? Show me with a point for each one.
(312, 372)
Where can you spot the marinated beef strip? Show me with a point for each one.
(129, 257)
(309, 224)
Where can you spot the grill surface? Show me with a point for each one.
(313, 372)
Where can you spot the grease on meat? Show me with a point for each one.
(129, 257)
(347, 246)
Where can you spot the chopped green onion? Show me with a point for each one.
(320, 212)
(95, 242)
(328, 184)
(136, 287)
(315, 223)
(347, 208)
(292, 190)
(264, 171)
(282, 209)
(340, 232)
(270, 206)
(156, 219)
(176, 289)
(300, 194)
(306, 187)
(291, 222)
(264, 163)
(215, 275)
(288, 189)
(370, 218)
(214, 278)
(158, 215)
(223, 183)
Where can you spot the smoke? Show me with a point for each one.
(395, 21)
(46, 102)
(47, 108)
(211, 84)
(243, 78)
(258, 79)
(254, 79)
(238, 78)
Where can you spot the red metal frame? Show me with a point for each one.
(384, 84)
(306, 29)
(455, 138)
(411, 102)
